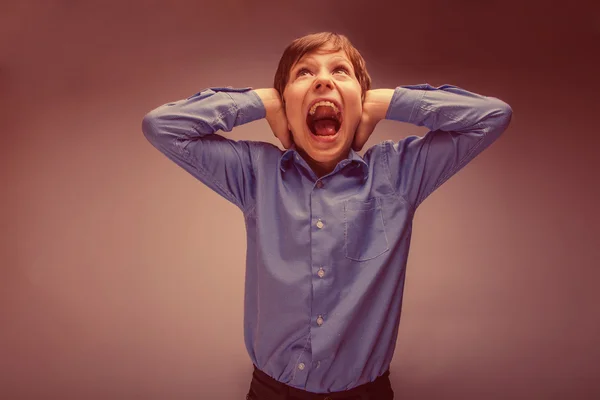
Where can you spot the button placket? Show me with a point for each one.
(321, 216)
(301, 370)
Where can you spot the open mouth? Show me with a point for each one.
(324, 119)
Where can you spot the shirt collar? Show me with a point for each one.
(288, 156)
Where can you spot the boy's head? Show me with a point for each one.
(322, 66)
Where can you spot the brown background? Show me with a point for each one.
(121, 276)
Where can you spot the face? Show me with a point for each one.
(317, 75)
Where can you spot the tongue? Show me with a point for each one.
(325, 127)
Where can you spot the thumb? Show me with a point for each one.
(281, 131)
(286, 139)
(363, 131)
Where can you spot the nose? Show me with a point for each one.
(323, 81)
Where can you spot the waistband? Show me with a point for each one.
(280, 390)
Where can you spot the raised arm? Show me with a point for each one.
(184, 131)
(462, 124)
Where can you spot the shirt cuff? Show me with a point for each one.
(405, 103)
(249, 105)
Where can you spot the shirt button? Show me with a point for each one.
(301, 366)
(319, 184)
(320, 320)
(320, 224)
(321, 272)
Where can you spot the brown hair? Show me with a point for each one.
(306, 44)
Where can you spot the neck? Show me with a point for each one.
(321, 168)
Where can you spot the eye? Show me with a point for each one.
(341, 68)
(302, 71)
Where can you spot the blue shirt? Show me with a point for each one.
(326, 258)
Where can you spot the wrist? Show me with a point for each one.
(377, 101)
(270, 99)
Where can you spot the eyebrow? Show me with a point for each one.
(309, 60)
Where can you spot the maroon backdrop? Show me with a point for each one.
(122, 277)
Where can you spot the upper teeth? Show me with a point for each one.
(313, 109)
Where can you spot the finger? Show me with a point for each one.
(362, 135)
(356, 144)
(282, 133)
(286, 139)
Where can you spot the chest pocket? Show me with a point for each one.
(365, 236)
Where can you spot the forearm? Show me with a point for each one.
(204, 113)
(448, 108)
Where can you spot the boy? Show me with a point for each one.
(328, 231)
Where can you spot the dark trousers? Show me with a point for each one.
(263, 387)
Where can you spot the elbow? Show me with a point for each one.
(501, 115)
(506, 116)
(150, 124)
(505, 110)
